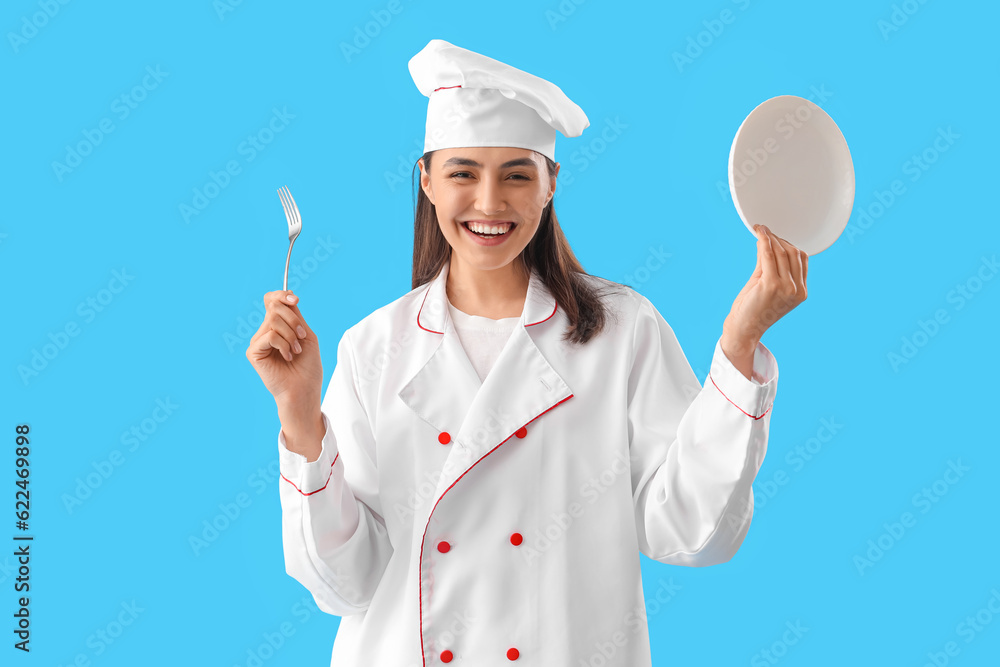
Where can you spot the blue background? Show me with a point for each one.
(177, 331)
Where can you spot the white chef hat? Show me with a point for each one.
(479, 101)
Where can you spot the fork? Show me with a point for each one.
(294, 224)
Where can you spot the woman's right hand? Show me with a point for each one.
(285, 351)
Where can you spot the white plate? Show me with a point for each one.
(790, 169)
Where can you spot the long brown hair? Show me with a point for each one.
(548, 252)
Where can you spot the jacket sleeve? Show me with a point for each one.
(333, 534)
(695, 450)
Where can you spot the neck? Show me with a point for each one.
(493, 293)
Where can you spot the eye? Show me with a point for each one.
(464, 174)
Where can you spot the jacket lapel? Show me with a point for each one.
(446, 391)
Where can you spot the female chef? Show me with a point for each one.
(497, 446)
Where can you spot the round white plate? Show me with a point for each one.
(790, 169)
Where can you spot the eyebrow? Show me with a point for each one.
(466, 162)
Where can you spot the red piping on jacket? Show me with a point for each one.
(738, 407)
(546, 319)
(445, 88)
(320, 488)
(420, 310)
(420, 576)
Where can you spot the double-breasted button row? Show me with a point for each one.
(444, 437)
(444, 547)
(515, 539)
(512, 654)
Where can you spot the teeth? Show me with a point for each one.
(502, 228)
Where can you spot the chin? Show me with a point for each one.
(480, 260)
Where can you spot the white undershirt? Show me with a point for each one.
(482, 337)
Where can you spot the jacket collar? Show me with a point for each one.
(432, 316)
(479, 416)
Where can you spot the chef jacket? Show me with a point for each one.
(455, 521)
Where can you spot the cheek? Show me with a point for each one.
(447, 225)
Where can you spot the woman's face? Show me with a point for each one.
(504, 189)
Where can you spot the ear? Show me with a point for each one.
(425, 181)
(552, 185)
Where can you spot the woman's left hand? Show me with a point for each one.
(777, 285)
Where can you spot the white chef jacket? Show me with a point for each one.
(453, 520)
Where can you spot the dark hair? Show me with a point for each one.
(548, 252)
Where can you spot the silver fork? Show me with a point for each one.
(294, 224)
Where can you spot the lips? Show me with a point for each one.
(487, 239)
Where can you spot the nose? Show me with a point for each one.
(489, 197)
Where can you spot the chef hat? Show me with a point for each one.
(478, 101)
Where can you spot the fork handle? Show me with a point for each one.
(287, 259)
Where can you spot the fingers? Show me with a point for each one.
(765, 254)
(788, 264)
(798, 264)
(280, 327)
(283, 325)
(272, 339)
(759, 269)
(781, 261)
(278, 303)
(804, 261)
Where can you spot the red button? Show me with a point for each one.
(446, 656)
(444, 438)
(516, 539)
(512, 654)
(443, 547)
(521, 432)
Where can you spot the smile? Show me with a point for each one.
(486, 233)
(488, 228)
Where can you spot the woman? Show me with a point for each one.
(496, 446)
